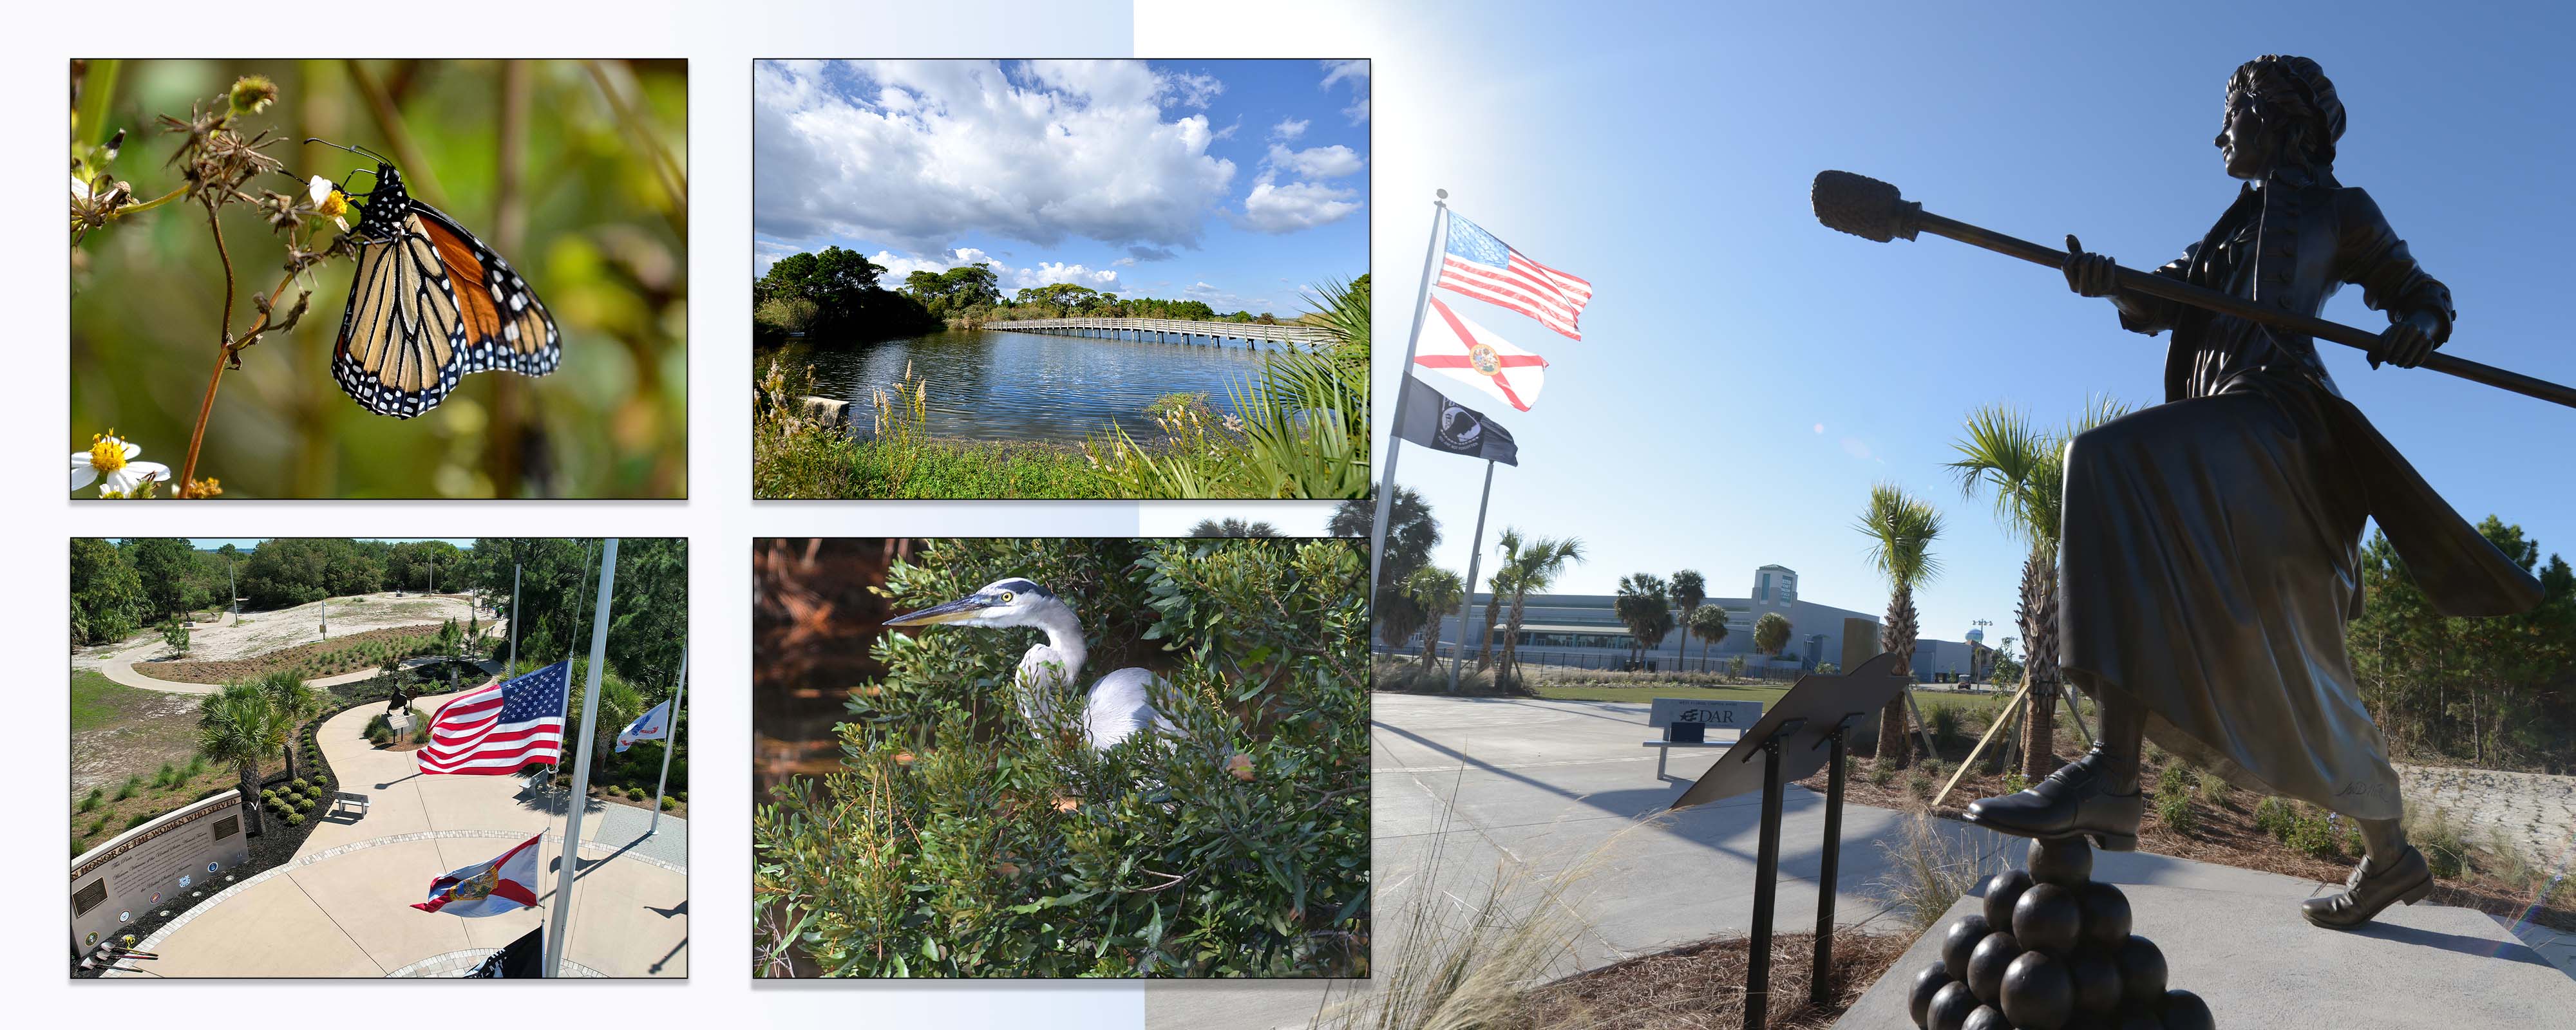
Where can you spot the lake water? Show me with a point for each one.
(988, 385)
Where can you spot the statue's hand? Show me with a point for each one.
(2093, 275)
(2406, 344)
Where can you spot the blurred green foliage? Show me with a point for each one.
(960, 840)
(574, 170)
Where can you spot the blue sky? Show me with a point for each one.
(1236, 182)
(1747, 374)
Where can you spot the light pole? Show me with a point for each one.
(1975, 638)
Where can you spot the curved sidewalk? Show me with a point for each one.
(342, 906)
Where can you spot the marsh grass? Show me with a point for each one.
(1930, 870)
(795, 456)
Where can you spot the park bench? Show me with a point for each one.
(342, 797)
(1687, 720)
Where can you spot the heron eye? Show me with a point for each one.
(1006, 597)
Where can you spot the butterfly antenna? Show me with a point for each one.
(360, 151)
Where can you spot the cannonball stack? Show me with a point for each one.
(2051, 951)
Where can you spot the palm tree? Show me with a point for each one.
(1497, 585)
(1901, 529)
(619, 704)
(237, 727)
(1771, 633)
(1233, 528)
(1709, 625)
(1411, 533)
(2026, 469)
(1539, 563)
(1436, 590)
(293, 703)
(1645, 607)
(1689, 589)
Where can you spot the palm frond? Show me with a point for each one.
(1901, 528)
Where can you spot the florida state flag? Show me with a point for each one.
(1459, 349)
(500, 886)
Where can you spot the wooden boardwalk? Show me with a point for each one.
(1169, 330)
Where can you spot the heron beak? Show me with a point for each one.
(954, 611)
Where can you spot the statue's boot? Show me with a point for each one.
(2075, 801)
(2371, 889)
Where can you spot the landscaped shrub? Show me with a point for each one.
(268, 795)
(129, 788)
(961, 840)
(137, 819)
(302, 785)
(295, 820)
(93, 798)
(669, 802)
(304, 805)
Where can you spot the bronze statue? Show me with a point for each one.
(2211, 543)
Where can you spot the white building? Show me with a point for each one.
(1584, 630)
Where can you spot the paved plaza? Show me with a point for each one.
(1547, 786)
(342, 906)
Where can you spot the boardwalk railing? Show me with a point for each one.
(1168, 330)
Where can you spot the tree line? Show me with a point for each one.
(840, 293)
(120, 588)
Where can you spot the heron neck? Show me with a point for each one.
(1064, 647)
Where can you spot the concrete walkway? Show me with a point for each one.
(342, 906)
(1465, 787)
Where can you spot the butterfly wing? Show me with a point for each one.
(403, 333)
(505, 325)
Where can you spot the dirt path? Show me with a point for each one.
(258, 633)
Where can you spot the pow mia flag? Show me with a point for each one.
(1436, 422)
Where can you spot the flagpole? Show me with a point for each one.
(670, 741)
(1421, 306)
(580, 789)
(565, 857)
(1467, 597)
(512, 669)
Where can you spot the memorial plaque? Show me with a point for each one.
(1720, 715)
(159, 861)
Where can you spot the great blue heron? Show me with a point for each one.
(1116, 707)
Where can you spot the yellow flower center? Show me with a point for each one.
(333, 206)
(107, 455)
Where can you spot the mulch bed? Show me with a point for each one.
(1701, 985)
(272, 848)
(2224, 834)
(328, 653)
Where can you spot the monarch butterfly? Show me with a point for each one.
(430, 305)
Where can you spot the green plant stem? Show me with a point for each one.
(96, 94)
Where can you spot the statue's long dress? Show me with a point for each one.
(2211, 543)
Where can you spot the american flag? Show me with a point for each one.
(494, 730)
(1478, 265)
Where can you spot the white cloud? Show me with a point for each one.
(1228, 131)
(1357, 74)
(1288, 129)
(919, 153)
(898, 266)
(1331, 162)
(1225, 301)
(1190, 90)
(1299, 205)
(1050, 272)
